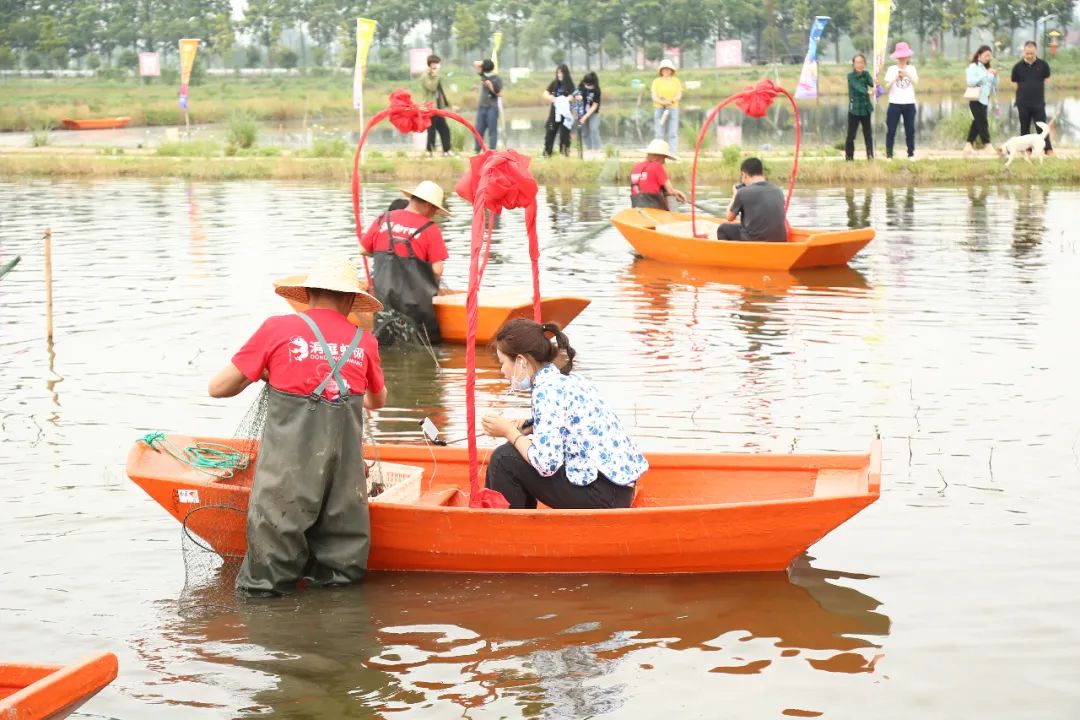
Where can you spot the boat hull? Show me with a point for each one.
(96, 123)
(497, 306)
(806, 248)
(759, 513)
(40, 692)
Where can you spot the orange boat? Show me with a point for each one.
(47, 692)
(496, 307)
(666, 236)
(96, 123)
(692, 513)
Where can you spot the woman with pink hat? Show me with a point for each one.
(900, 81)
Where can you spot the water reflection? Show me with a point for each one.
(551, 646)
(858, 214)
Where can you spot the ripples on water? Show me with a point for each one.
(953, 335)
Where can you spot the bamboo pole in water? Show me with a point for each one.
(48, 285)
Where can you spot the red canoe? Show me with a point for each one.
(96, 123)
(692, 513)
(47, 692)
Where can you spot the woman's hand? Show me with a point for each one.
(499, 426)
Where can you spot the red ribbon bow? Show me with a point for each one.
(755, 100)
(407, 116)
(498, 180)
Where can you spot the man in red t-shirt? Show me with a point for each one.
(409, 251)
(307, 513)
(649, 182)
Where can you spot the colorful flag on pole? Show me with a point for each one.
(882, 12)
(496, 43)
(188, 48)
(808, 80)
(365, 35)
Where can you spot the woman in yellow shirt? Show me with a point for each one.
(666, 93)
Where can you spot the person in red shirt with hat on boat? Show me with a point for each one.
(308, 514)
(649, 182)
(409, 251)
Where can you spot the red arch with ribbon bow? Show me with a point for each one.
(754, 100)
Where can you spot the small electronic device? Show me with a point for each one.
(430, 431)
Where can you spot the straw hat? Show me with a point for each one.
(428, 192)
(903, 50)
(659, 147)
(665, 63)
(332, 272)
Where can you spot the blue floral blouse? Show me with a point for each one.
(573, 426)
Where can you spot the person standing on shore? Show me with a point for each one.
(860, 106)
(487, 111)
(432, 93)
(900, 82)
(981, 80)
(1029, 77)
(666, 94)
(560, 118)
(589, 90)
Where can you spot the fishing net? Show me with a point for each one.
(209, 574)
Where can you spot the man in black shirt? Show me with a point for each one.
(1029, 76)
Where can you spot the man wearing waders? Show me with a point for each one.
(408, 250)
(649, 183)
(308, 514)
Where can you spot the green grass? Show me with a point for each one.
(25, 103)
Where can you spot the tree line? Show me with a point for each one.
(102, 33)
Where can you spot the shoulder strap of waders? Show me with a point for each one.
(335, 365)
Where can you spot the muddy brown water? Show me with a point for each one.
(953, 335)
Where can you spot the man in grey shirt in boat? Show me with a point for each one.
(761, 205)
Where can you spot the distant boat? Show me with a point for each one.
(692, 513)
(667, 237)
(96, 123)
(497, 306)
(50, 692)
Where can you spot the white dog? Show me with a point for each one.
(1035, 143)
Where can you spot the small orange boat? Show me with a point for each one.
(496, 307)
(96, 123)
(692, 513)
(666, 236)
(48, 692)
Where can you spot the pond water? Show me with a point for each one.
(824, 123)
(953, 335)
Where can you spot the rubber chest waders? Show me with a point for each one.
(406, 284)
(308, 511)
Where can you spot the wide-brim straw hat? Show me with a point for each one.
(332, 272)
(428, 192)
(903, 50)
(666, 64)
(659, 147)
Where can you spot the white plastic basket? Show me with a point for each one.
(401, 483)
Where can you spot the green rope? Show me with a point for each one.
(214, 459)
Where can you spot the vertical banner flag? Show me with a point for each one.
(808, 80)
(496, 43)
(188, 48)
(365, 34)
(882, 11)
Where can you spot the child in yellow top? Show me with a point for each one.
(666, 93)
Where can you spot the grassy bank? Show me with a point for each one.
(820, 171)
(29, 104)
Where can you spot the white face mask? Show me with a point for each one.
(522, 379)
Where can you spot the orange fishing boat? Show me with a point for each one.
(48, 692)
(692, 513)
(96, 123)
(496, 307)
(667, 237)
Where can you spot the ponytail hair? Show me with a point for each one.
(545, 343)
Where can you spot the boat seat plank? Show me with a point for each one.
(438, 495)
(838, 483)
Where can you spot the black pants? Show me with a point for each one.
(1030, 115)
(980, 124)
(892, 122)
(853, 123)
(522, 485)
(551, 129)
(438, 124)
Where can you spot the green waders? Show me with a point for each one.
(308, 511)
